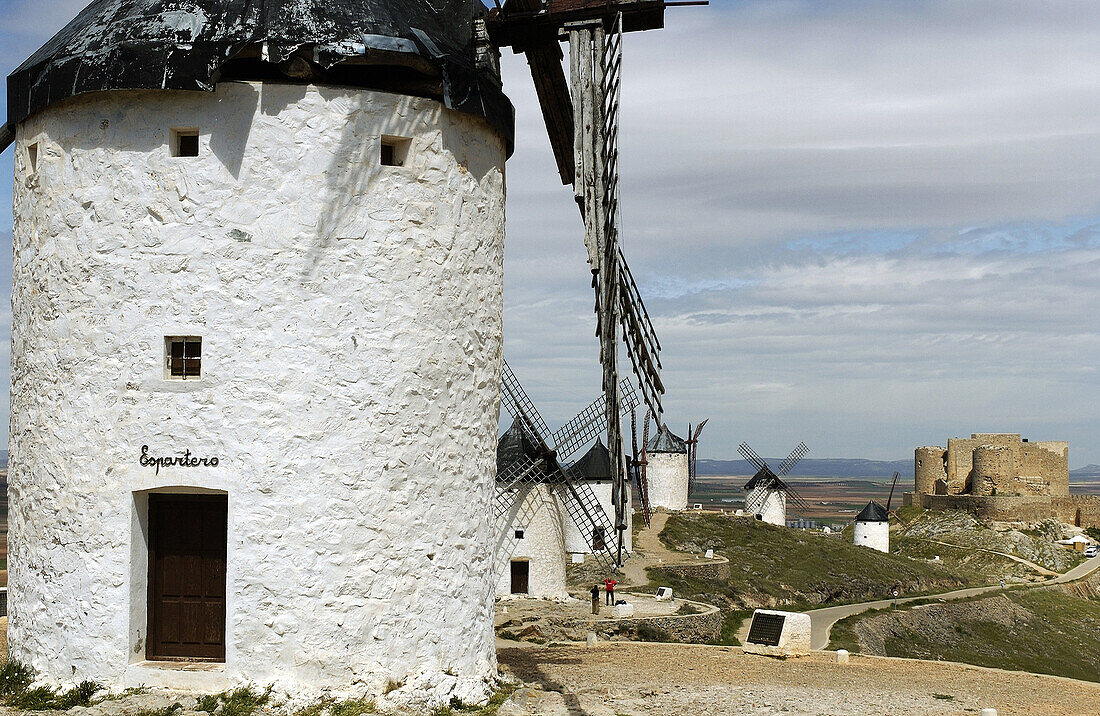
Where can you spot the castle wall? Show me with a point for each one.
(350, 317)
(541, 518)
(960, 456)
(1019, 508)
(929, 465)
(1054, 466)
(667, 480)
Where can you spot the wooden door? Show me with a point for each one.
(521, 571)
(187, 548)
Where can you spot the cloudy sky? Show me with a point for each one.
(866, 225)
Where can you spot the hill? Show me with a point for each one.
(833, 467)
(1051, 630)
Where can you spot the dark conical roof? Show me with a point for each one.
(595, 465)
(514, 445)
(873, 512)
(192, 44)
(764, 477)
(665, 441)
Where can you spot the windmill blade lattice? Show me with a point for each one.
(791, 460)
(580, 501)
(749, 454)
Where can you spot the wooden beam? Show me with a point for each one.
(522, 23)
(557, 106)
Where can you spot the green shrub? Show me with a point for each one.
(648, 632)
(243, 701)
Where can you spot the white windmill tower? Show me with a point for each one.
(766, 493)
(667, 466)
(872, 524)
(256, 333)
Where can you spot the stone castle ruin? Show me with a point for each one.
(1001, 476)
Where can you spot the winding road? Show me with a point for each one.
(822, 620)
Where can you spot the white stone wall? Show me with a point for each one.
(577, 543)
(351, 324)
(772, 505)
(666, 475)
(541, 517)
(875, 535)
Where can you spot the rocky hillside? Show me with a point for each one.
(1048, 630)
(959, 528)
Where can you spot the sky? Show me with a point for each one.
(866, 225)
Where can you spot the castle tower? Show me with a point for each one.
(872, 528)
(929, 468)
(256, 343)
(667, 470)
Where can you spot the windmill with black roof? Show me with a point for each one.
(766, 493)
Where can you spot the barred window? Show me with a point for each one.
(183, 356)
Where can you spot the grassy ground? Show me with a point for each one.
(1045, 630)
(778, 566)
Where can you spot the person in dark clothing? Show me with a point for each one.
(596, 599)
(609, 587)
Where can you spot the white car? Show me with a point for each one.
(1092, 551)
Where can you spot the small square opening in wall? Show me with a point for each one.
(32, 157)
(395, 151)
(185, 142)
(519, 534)
(183, 357)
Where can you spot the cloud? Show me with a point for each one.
(869, 225)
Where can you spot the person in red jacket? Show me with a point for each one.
(609, 587)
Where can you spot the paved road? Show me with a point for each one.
(822, 620)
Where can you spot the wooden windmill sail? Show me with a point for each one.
(582, 121)
(542, 457)
(693, 451)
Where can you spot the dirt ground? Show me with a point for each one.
(633, 679)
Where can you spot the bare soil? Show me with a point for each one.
(635, 679)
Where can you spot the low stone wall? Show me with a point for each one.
(683, 629)
(1084, 509)
(713, 570)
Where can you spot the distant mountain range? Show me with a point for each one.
(833, 467)
(846, 467)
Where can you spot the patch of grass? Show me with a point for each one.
(943, 697)
(1093, 532)
(243, 701)
(16, 691)
(393, 685)
(687, 608)
(331, 707)
(1055, 633)
(794, 568)
(731, 624)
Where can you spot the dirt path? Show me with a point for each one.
(650, 551)
(634, 679)
(1037, 567)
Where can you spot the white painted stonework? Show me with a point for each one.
(875, 535)
(541, 517)
(772, 505)
(794, 639)
(577, 543)
(350, 317)
(667, 479)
